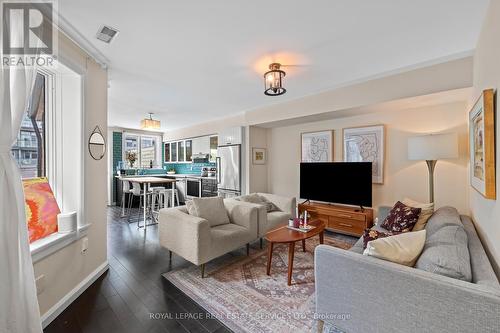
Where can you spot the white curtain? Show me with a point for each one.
(19, 310)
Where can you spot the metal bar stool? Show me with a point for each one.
(126, 189)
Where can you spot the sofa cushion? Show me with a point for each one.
(228, 237)
(260, 200)
(401, 218)
(358, 246)
(444, 216)
(372, 234)
(210, 209)
(402, 249)
(425, 214)
(276, 219)
(446, 253)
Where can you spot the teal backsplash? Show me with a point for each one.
(188, 168)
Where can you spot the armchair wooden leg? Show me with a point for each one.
(321, 324)
(169, 255)
(261, 242)
(248, 249)
(202, 270)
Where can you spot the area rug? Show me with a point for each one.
(238, 292)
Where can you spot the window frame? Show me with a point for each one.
(157, 150)
(52, 243)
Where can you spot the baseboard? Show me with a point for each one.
(64, 302)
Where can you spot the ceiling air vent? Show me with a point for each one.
(106, 33)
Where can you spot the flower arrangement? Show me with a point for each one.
(131, 157)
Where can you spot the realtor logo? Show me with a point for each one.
(27, 28)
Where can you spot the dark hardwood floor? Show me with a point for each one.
(132, 296)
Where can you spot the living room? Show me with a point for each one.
(189, 198)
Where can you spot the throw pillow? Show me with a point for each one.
(401, 218)
(190, 207)
(402, 249)
(371, 234)
(446, 253)
(425, 214)
(210, 209)
(259, 200)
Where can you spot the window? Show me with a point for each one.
(140, 151)
(29, 149)
(148, 151)
(50, 145)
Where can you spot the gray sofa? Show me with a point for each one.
(357, 293)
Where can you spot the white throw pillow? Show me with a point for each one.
(425, 213)
(403, 248)
(210, 209)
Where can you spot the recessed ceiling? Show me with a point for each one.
(193, 61)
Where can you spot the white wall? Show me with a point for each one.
(486, 213)
(402, 176)
(257, 175)
(66, 269)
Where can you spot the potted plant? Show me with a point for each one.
(131, 157)
(171, 171)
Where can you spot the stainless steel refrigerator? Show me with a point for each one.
(229, 171)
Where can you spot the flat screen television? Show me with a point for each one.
(347, 183)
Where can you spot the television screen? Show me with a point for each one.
(347, 183)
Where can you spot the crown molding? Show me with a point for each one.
(78, 38)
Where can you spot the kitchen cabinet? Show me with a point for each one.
(180, 185)
(189, 150)
(231, 136)
(181, 151)
(167, 152)
(173, 152)
(214, 143)
(201, 145)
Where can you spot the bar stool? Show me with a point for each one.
(168, 194)
(138, 192)
(157, 199)
(126, 189)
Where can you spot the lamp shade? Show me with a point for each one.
(433, 146)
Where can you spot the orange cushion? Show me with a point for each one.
(41, 208)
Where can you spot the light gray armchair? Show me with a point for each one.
(195, 240)
(270, 220)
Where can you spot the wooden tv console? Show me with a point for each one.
(342, 219)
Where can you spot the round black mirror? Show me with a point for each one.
(97, 144)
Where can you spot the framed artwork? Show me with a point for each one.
(482, 145)
(366, 144)
(317, 146)
(259, 156)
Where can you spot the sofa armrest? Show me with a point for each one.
(243, 214)
(359, 293)
(285, 204)
(184, 234)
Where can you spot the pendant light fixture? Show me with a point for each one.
(150, 124)
(273, 80)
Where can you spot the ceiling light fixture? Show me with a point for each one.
(150, 123)
(273, 80)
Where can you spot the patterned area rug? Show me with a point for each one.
(238, 292)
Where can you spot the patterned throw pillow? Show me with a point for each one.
(401, 218)
(259, 200)
(41, 208)
(371, 234)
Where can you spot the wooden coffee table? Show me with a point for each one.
(286, 235)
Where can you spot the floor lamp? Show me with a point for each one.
(431, 148)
